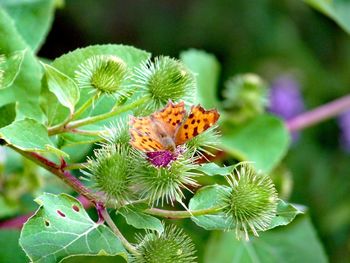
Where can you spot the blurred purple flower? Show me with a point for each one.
(285, 98)
(344, 123)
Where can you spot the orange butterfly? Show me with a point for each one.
(168, 128)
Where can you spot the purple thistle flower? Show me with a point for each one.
(161, 158)
(344, 124)
(285, 98)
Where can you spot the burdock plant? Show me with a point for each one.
(149, 160)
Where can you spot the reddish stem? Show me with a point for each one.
(319, 114)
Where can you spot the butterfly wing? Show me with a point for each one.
(170, 118)
(198, 121)
(144, 136)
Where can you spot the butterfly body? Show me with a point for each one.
(169, 128)
(164, 135)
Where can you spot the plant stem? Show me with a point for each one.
(59, 171)
(116, 231)
(85, 106)
(88, 133)
(182, 214)
(319, 114)
(89, 120)
(107, 115)
(76, 166)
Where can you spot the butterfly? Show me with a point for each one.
(164, 130)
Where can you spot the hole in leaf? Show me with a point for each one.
(61, 213)
(47, 223)
(75, 208)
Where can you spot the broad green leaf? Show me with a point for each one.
(61, 228)
(285, 214)
(297, 242)
(207, 69)
(69, 139)
(28, 135)
(10, 250)
(69, 62)
(140, 220)
(65, 89)
(212, 169)
(53, 109)
(210, 197)
(26, 87)
(94, 259)
(263, 141)
(8, 114)
(33, 19)
(338, 10)
(11, 68)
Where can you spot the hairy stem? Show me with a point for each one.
(85, 106)
(182, 214)
(319, 114)
(89, 120)
(76, 166)
(110, 223)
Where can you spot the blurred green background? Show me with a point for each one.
(269, 37)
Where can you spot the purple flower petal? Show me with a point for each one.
(344, 124)
(285, 98)
(161, 158)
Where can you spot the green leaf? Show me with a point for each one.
(69, 139)
(65, 89)
(297, 242)
(54, 111)
(28, 135)
(207, 69)
(11, 68)
(263, 141)
(10, 250)
(286, 213)
(26, 87)
(212, 169)
(69, 62)
(94, 259)
(8, 114)
(338, 10)
(61, 228)
(210, 197)
(140, 220)
(33, 19)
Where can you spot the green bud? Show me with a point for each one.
(204, 143)
(111, 171)
(118, 133)
(169, 247)
(105, 73)
(165, 79)
(252, 202)
(245, 96)
(165, 184)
